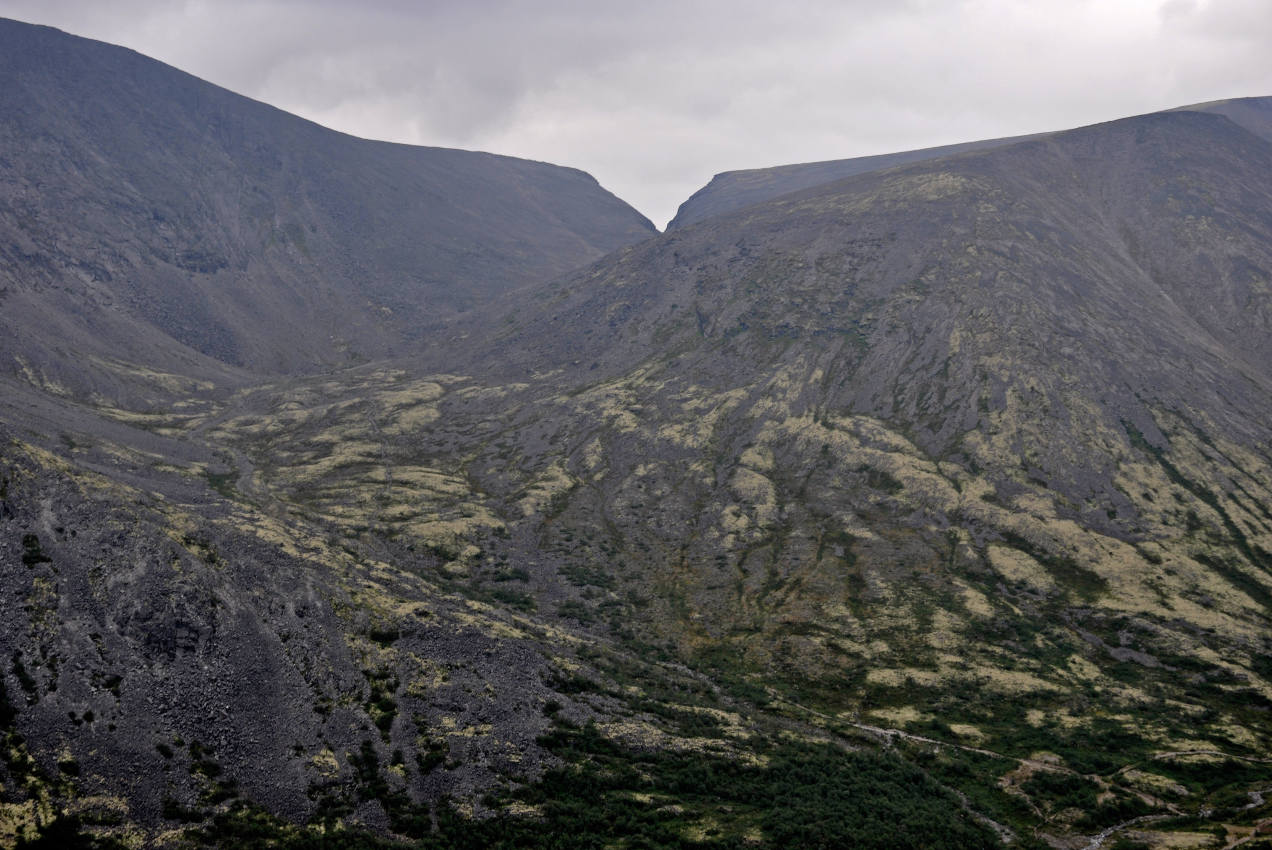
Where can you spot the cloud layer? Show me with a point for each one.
(654, 98)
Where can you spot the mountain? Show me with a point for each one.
(977, 448)
(929, 506)
(152, 217)
(734, 190)
(1252, 113)
(1028, 386)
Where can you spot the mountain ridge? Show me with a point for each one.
(733, 190)
(729, 191)
(248, 235)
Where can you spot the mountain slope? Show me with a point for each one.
(972, 454)
(733, 190)
(944, 445)
(142, 210)
(932, 495)
(1253, 113)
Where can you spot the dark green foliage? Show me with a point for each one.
(518, 599)
(32, 554)
(807, 796)
(432, 756)
(1149, 555)
(732, 676)
(216, 789)
(1098, 749)
(381, 706)
(173, 810)
(8, 714)
(1101, 748)
(587, 575)
(864, 800)
(1124, 843)
(366, 765)
(1065, 570)
(442, 551)
(385, 636)
(201, 548)
(571, 683)
(693, 724)
(223, 483)
(1206, 776)
(405, 817)
(1056, 791)
(880, 479)
(976, 777)
(246, 827)
(65, 833)
(576, 610)
(25, 679)
(1236, 576)
(201, 761)
(110, 682)
(1253, 554)
(843, 540)
(1110, 812)
(330, 805)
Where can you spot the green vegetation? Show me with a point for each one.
(587, 575)
(513, 598)
(1086, 583)
(32, 554)
(223, 483)
(381, 706)
(1252, 553)
(1058, 791)
(802, 795)
(66, 832)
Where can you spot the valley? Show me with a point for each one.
(929, 502)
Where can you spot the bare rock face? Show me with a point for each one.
(970, 456)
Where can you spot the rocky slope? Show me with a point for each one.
(733, 190)
(932, 495)
(1252, 113)
(979, 445)
(1047, 362)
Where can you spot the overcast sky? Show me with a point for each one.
(654, 97)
